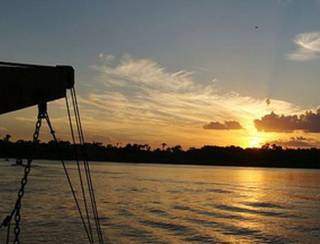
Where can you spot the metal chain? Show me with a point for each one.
(24, 181)
(15, 213)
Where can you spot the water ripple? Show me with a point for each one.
(254, 211)
(263, 205)
(176, 228)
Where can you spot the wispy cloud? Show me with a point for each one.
(140, 99)
(308, 47)
(106, 57)
(3, 130)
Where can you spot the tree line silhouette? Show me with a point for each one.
(266, 156)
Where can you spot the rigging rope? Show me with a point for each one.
(68, 179)
(86, 165)
(78, 166)
(8, 233)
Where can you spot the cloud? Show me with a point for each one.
(297, 142)
(3, 130)
(308, 47)
(106, 57)
(307, 122)
(134, 99)
(138, 100)
(227, 125)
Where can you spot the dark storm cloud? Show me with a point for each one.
(227, 125)
(307, 122)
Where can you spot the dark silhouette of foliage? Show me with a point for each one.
(266, 156)
(7, 138)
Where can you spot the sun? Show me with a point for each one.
(255, 141)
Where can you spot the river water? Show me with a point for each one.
(140, 203)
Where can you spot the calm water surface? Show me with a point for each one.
(141, 203)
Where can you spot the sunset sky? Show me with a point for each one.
(179, 71)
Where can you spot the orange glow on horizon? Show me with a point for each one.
(255, 141)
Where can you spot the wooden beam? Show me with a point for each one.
(24, 85)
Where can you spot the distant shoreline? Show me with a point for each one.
(272, 156)
(244, 165)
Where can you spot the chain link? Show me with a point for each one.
(24, 181)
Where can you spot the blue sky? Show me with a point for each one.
(215, 41)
